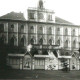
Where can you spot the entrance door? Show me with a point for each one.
(74, 63)
(27, 62)
(39, 63)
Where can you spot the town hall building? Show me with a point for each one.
(51, 39)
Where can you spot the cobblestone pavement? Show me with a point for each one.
(39, 75)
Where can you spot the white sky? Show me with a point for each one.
(66, 9)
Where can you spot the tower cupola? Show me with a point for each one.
(40, 5)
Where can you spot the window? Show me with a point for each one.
(2, 40)
(32, 29)
(12, 28)
(1, 27)
(49, 30)
(73, 32)
(58, 31)
(31, 15)
(66, 43)
(50, 41)
(41, 41)
(58, 42)
(74, 44)
(22, 28)
(32, 41)
(50, 17)
(12, 41)
(41, 30)
(41, 16)
(22, 42)
(66, 31)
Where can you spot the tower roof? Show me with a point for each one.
(40, 5)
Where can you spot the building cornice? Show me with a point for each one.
(48, 23)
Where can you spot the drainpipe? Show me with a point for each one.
(79, 54)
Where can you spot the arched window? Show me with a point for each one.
(58, 31)
(74, 44)
(41, 41)
(58, 42)
(73, 32)
(12, 41)
(32, 29)
(32, 41)
(41, 30)
(50, 41)
(22, 42)
(66, 31)
(49, 31)
(2, 39)
(66, 43)
(1, 27)
(12, 28)
(22, 28)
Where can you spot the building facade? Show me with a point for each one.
(52, 37)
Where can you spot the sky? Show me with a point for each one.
(65, 9)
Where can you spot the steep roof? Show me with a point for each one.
(13, 16)
(60, 20)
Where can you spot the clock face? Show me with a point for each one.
(41, 16)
